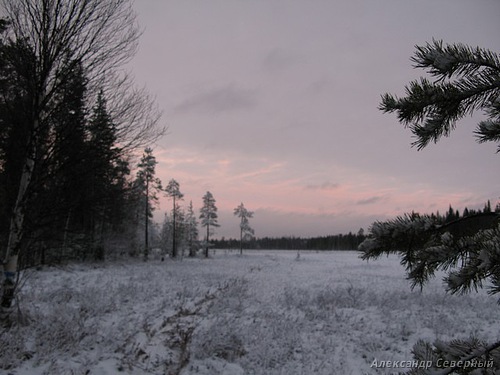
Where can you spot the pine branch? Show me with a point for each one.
(456, 351)
(488, 131)
(426, 246)
(468, 80)
(454, 59)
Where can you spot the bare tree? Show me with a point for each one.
(100, 36)
(135, 113)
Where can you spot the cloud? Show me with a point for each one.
(223, 99)
(324, 186)
(279, 59)
(370, 200)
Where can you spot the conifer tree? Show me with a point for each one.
(246, 232)
(148, 186)
(103, 172)
(191, 230)
(208, 217)
(173, 191)
(466, 248)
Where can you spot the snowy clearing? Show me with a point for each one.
(261, 313)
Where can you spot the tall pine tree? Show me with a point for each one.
(191, 230)
(208, 217)
(246, 231)
(147, 185)
(173, 191)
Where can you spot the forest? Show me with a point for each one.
(348, 241)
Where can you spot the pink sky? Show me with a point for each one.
(274, 104)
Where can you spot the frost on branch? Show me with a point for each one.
(467, 80)
(468, 249)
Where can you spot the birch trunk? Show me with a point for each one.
(16, 227)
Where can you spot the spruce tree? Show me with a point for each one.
(104, 169)
(466, 249)
(59, 204)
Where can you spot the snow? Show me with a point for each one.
(266, 312)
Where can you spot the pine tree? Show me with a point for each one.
(208, 217)
(147, 185)
(165, 236)
(246, 232)
(191, 230)
(466, 248)
(173, 191)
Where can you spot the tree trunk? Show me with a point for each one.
(241, 241)
(174, 250)
(206, 245)
(146, 229)
(16, 225)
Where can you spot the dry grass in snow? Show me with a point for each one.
(261, 313)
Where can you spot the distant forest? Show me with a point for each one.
(348, 241)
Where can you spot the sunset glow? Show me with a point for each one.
(275, 105)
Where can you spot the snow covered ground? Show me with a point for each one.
(266, 312)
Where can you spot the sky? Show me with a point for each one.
(273, 103)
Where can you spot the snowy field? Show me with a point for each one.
(263, 313)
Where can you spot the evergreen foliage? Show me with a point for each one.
(466, 248)
(467, 80)
(208, 217)
(347, 241)
(191, 230)
(146, 186)
(54, 57)
(173, 191)
(246, 231)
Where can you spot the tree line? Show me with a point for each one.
(348, 241)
